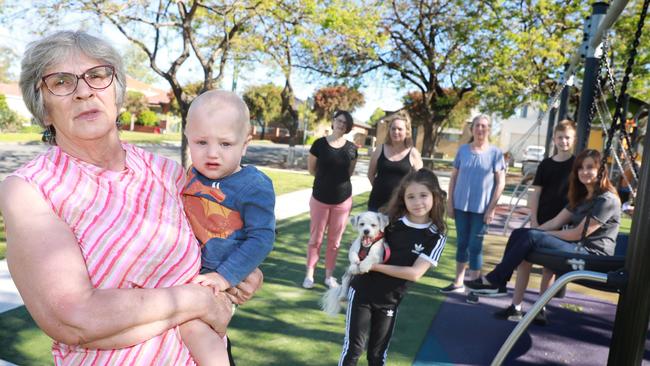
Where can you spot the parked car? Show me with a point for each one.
(534, 153)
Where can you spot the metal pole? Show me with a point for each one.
(549, 132)
(633, 311)
(614, 11)
(590, 79)
(626, 108)
(612, 15)
(564, 101)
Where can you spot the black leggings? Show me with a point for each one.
(367, 323)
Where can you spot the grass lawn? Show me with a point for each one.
(283, 324)
(33, 134)
(130, 136)
(21, 341)
(3, 239)
(285, 181)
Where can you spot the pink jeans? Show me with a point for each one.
(335, 218)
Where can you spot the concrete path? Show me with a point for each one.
(9, 297)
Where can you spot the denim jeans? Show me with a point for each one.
(522, 242)
(470, 230)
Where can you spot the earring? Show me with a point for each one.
(48, 135)
(118, 124)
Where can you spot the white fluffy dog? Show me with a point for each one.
(368, 248)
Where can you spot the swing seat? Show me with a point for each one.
(561, 263)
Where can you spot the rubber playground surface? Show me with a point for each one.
(578, 333)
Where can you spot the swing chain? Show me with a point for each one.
(618, 110)
(626, 156)
(623, 135)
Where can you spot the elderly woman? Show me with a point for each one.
(97, 241)
(391, 161)
(476, 183)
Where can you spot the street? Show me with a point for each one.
(14, 155)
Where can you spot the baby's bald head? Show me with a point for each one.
(215, 100)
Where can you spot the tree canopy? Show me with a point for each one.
(7, 57)
(329, 99)
(376, 116)
(264, 103)
(136, 64)
(170, 33)
(505, 53)
(451, 55)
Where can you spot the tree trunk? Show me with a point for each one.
(292, 113)
(185, 150)
(183, 108)
(427, 145)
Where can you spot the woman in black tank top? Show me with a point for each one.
(392, 160)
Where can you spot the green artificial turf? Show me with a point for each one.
(21, 341)
(282, 324)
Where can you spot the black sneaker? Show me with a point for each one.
(540, 318)
(502, 291)
(482, 289)
(510, 313)
(452, 289)
(472, 298)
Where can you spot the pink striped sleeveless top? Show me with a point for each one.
(132, 233)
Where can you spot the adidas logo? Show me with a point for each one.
(417, 249)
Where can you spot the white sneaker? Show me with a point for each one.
(308, 283)
(331, 282)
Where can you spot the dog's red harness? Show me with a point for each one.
(363, 250)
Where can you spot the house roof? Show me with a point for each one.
(154, 95)
(362, 125)
(11, 89)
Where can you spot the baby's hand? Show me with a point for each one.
(212, 279)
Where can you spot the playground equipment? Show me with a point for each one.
(627, 274)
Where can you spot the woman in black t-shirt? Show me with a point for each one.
(392, 160)
(331, 160)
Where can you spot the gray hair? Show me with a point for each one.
(56, 48)
(476, 119)
(482, 116)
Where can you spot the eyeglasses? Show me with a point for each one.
(64, 83)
